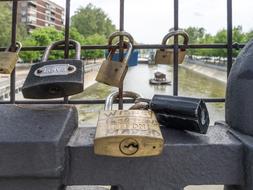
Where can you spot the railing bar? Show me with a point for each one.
(67, 24)
(175, 57)
(147, 46)
(13, 48)
(229, 36)
(90, 102)
(121, 50)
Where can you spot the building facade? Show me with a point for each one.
(41, 13)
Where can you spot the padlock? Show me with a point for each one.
(113, 72)
(183, 113)
(166, 56)
(55, 78)
(127, 133)
(9, 59)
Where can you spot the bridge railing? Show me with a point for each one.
(43, 148)
(229, 46)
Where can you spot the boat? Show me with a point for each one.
(160, 79)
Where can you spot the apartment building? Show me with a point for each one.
(41, 13)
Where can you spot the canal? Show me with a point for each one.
(190, 84)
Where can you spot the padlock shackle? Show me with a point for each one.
(115, 95)
(119, 34)
(18, 47)
(176, 33)
(59, 43)
(127, 46)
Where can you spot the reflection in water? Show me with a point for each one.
(137, 80)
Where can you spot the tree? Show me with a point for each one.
(91, 20)
(98, 40)
(249, 36)
(42, 37)
(5, 23)
(196, 36)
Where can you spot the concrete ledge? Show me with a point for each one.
(33, 140)
(187, 159)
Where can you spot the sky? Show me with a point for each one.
(149, 20)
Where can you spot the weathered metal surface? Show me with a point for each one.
(9, 59)
(184, 113)
(187, 159)
(33, 139)
(127, 133)
(163, 56)
(239, 102)
(113, 72)
(55, 78)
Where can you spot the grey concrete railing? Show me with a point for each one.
(43, 148)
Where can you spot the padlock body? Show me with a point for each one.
(112, 73)
(183, 113)
(166, 57)
(8, 61)
(54, 79)
(114, 128)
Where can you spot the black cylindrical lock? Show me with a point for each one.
(182, 113)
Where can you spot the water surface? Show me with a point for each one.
(137, 80)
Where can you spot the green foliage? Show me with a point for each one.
(198, 36)
(48, 35)
(249, 35)
(5, 25)
(91, 40)
(41, 37)
(5, 20)
(75, 35)
(91, 20)
(31, 55)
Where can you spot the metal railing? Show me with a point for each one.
(229, 46)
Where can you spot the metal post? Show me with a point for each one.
(229, 36)
(175, 64)
(121, 50)
(67, 23)
(13, 48)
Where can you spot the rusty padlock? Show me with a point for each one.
(55, 78)
(113, 72)
(166, 56)
(9, 59)
(127, 133)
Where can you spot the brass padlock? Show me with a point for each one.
(113, 72)
(166, 56)
(127, 133)
(55, 78)
(9, 59)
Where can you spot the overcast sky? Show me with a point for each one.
(149, 20)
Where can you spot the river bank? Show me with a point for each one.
(215, 72)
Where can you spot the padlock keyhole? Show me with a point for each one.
(129, 146)
(54, 90)
(132, 145)
(39, 71)
(70, 68)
